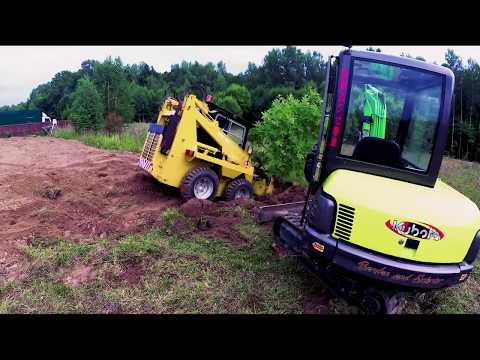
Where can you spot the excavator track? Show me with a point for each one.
(371, 299)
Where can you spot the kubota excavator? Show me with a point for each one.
(377, 220)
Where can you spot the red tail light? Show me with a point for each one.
(189, 152)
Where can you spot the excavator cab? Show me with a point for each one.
(401, 110)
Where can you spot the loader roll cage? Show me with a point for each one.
(417, 116)
(232, 124)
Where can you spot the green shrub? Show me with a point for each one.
(287, 132)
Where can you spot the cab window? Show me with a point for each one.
(236, 132)
(392, 115)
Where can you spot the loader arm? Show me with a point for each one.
(237, 155)
(237, 159)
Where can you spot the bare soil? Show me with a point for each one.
(53, 188)
(216, 220)
(80, 274)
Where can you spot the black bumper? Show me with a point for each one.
(371, 265)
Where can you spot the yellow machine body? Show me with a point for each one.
(387, 212)
(229, 159)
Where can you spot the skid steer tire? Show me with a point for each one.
(200, 183)
(238, 189)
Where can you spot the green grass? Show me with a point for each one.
(463, 176)
(180, 273)
(58, 253)
(131, 139)
(133, 248)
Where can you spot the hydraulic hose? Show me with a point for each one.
(316, 149)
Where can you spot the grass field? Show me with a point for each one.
(131, 139)
(159, 272)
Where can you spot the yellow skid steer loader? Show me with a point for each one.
(202, 149)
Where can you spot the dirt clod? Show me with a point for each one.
(196, 207)
(80, 274)
(133, 274)
(316, 301)
(50, 192)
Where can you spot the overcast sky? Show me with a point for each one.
(24, 67)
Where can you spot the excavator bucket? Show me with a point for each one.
(291, 211)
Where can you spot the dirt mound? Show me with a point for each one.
(224, 220)
(55, 188)
(219, 220)
(197, 207)
(285, 193)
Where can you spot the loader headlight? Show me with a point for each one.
(321, 212)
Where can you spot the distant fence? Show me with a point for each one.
(29, 128)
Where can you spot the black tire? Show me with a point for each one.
(238, 188)
(373, 302)
(191, 180)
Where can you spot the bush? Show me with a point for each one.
(113, 123)
(287, 132)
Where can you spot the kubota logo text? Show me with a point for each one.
(414, 230)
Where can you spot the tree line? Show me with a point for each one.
(135, 92)
(112, 93)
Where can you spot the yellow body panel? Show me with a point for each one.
(172, 168)
(262, 187)
(377, 200)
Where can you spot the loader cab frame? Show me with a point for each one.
(407, 78)
(233, 125)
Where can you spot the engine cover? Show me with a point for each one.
(404, 220)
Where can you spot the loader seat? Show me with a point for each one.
(170, 130)
(378, 151)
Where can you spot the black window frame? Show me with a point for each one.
(347, 104)
(333, 160)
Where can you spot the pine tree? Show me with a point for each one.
(86, 111)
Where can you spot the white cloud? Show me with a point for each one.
(24, 67)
